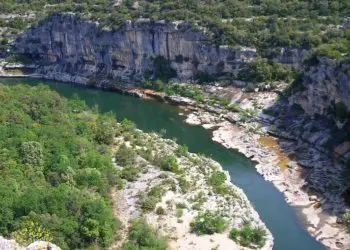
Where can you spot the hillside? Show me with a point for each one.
(59, 183)
(269, 78)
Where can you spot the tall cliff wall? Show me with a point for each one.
(326, 87)
(65, 44)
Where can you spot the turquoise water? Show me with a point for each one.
(280, 218)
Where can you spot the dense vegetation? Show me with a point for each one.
(56, 170)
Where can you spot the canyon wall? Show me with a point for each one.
(325, 88)
(66, 44)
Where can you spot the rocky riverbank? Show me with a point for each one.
(170, 198)
(319, 211)
(300, 185)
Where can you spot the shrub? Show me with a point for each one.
(169, 164)
(248, 235)
(148, 203)
(346, 218)
(19, 58)
(160, 211)
(130, 173)
(17, 23)
(154, 195)
(179, 212)
(217, 178)
(177, 89)
(217, 181)
(262, 71)
(208, 223)
(181, 205)
(125, 156)
(142, 236)
(105, 131)
(31, 231)
(127, 125)
(155, 85)
(184, 184)
(156, 191)
(182, 150)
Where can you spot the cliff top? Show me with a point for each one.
(319, 25)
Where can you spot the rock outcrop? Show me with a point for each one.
(66, 44)
(6, 244)
(325, 84)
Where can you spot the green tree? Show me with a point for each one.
(32, 155)
(31, 231)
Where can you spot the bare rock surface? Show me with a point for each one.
(197, 198)
(6, 244)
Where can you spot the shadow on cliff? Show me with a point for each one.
(318, 143)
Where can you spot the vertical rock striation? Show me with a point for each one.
(324, 85)
(65, 44)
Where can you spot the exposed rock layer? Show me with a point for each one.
(326, 83)
(66, 44)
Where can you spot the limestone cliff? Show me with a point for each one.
(325, 85)
(65, 44)
(6, 244)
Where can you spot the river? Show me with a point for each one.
(279, 217)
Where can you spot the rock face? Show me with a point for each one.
(65, 44)
(6, 244)
(326, 83)
(291, 56)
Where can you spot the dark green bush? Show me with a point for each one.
(148, 203)
(247, 235)
(130, 173)
(262, 71)
(217, 178)
(208, 223)
(169, 163)
(142, 236)
(125, 156)
(160, 211)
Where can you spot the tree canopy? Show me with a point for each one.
(55, 169)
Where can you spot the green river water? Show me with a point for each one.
(279, 217)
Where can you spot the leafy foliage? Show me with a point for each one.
(248, 235)
(29, 232)
(347, 219)
(261, 71)
(142, 236)
(208, 223)
(55, 169)
(169, 164)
